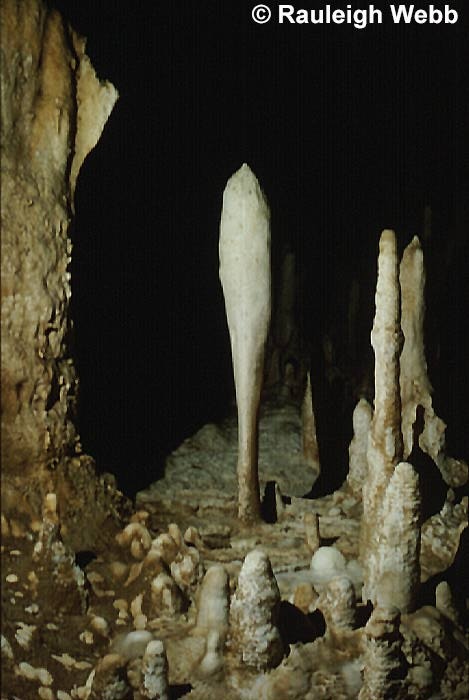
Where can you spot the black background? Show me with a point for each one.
(349, 131)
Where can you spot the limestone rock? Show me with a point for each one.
(53, 111)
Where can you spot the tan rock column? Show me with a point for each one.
(53, 112)
(245, 276)
(385, 440)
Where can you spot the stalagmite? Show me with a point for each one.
(385, 666)
(213, 600)
(414, 381)
(358, 461)
(310, 443)
(338, 605)
(54, 109)
(415, 386)
(154, 671)
(398, 568)
(385, 440)
(212, 617)
(254, 637)
(244, 250)
(444, 602)
(312, 535)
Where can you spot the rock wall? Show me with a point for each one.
(53, 112)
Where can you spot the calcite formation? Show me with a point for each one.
(310, 441)
(254, 635)
(358, 448)
(415, 385)
(414, 382)
(385, 666)
(385, 439)
(398, 559)
(245, 276)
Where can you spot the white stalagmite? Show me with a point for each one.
(244, 250)
(154, 676)
(385, 439)
(398, 561)
(255, 638)
(212, 617)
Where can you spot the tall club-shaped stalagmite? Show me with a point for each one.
(245, 277)
(385, 440)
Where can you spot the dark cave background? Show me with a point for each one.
(349, 131)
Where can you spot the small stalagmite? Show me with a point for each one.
(213, 600)
(154, 672)
(244, 249)
(309, 438)
(385, 439)
(358, 463)
(254, 637)
(212, 617)
(399, 546)
(338, 604)
(444, 602)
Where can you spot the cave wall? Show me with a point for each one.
(53, 112)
